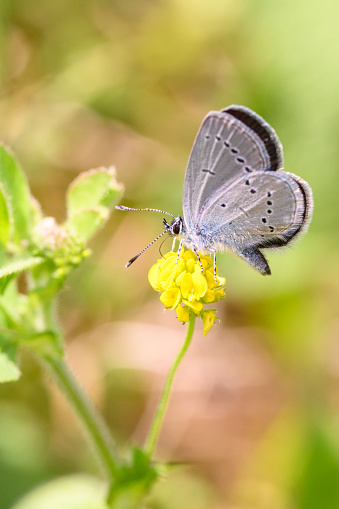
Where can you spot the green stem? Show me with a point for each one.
(43, 302)
(164, 399)
(90, 419)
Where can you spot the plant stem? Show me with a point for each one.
(164, 399)
(97, 431)
(95, 427)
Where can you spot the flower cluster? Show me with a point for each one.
(59, 247)
(185, 288)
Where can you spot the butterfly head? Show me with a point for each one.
(175, 227)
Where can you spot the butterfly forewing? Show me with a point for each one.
(263, 130)
(226, 147)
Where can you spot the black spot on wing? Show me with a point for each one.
(207, 170)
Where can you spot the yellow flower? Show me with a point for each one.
(185, 288)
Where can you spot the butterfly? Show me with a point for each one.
(236, 196)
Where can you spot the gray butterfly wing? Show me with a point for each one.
(231, 142)
(259, 210)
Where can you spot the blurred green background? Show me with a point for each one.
(254, 412)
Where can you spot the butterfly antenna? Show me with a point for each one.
(149, 245)
(122, 207)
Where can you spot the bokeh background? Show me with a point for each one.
(254, 415)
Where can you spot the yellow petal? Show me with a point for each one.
(153, 276)
(180, 267)
(206, 261)
(194, 305)
(169, 283)
(166, 270)
(209, 297)
(179, 278)
(199, 285)
(183, 314)
(210, 278)
(208, 319)
(221, 281)
(188, 255)
(169, 255)
(186, 285)
(190, 265)
(170, 298)
(169, 262)
(219, 294)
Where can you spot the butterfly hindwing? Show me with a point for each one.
(261, 210)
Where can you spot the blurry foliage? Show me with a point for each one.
(87, 83)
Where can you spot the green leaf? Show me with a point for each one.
(9, 371)
(86, 222)
(90, 198)
(92, 189)
(37, 215)
(11, 302)
(16, 195)
(13, 267)
(4, 219)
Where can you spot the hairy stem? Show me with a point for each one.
(93, 424)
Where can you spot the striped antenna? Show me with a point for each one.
(122, 207)
(137, 256)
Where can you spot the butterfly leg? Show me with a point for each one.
(255, 258)
(179, 250)
(215, 266)
(173, 244)
(199, 259)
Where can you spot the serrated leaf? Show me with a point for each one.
(86, 222)
(9, 371)
(13, 267)
(16, 194)
(92, 189)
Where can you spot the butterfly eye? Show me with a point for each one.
(176, 228)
